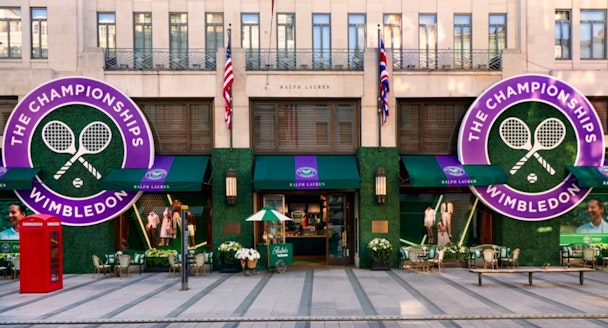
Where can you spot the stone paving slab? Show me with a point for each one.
(313, 297)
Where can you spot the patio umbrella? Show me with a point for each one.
(267, 213)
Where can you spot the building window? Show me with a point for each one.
(299, 127)
(562, 34)
(391, 33)
(250, 39)
(7, 105)
(430, 127)
(497, 39)
(286, 41)
(356, 40)
(427, 36)
(593, 26)
(10, 33)
(188, 121)
(321, 41)
(142, 37)
(178, 41)
(40, 49)
(106, 37)
(214, 36)
(463, 41)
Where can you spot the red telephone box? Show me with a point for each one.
(41, 254)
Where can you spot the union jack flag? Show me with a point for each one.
(228, 79)
(384, 87)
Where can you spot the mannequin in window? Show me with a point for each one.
(429, 222)
(447, 209)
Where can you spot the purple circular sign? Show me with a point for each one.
(483, 116)
(24, 125)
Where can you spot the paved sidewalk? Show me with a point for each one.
(314, 297)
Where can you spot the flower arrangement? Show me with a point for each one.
(455, 252)
(380, 250)
(227, 250)
(247, 254)
(158, 256)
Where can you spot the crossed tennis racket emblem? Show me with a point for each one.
(549, 134)
(93, 139)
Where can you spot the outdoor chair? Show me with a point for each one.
(512, 260)
(437, 261)
(100, 267)
(139, 259)
(123, 264)
(15, 267)
(199, 264)
(174, 265)
(489, 259)
(590, 257)
(415, 259)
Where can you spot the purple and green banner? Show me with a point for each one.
(167, 174)
(446, 171)
(306, 172)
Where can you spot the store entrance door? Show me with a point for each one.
(339, 229)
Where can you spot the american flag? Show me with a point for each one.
(384, 88)
(228, 79)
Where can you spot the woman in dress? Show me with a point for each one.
(442, 234)
(165, 227)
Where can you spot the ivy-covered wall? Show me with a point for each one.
(241, 160)
(538, 240)
(370, 159)
(80, 243)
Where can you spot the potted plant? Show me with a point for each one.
(226, 252)
(248, 256)
(381, 253)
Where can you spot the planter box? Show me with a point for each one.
(229, 267)
(380, 266)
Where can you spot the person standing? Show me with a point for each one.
(596, 224)
(429, 222)
(16, 212)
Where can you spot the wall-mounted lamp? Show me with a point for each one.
(231, 186)
(380, 186)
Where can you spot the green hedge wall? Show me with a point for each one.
(370, 159)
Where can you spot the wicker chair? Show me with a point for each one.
(512, 260)
(199, 264)
(489, 259)
(174, 265)
(590, 257)
(100, 267)
(415, 260)
(123, 264)
(437, 260)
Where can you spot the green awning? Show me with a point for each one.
(590, 176)
(446, 171)
(17, 178)
(167, 174)
(306, 172)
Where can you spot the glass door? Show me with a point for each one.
(339, 229)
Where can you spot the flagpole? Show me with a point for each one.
(231, 99)
(379, 94)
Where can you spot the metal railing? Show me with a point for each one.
(159, 60)
(304, 60)
(446, 60)
(123, 59)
